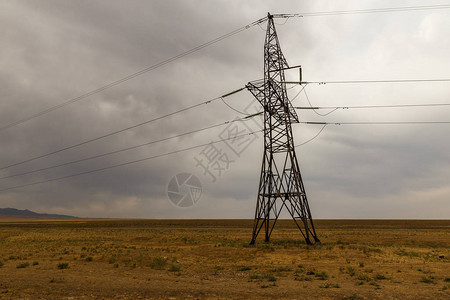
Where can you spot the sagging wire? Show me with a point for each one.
(232, 108)
(259, 24)
(124, 163)
(314, 109)
(295, 97)
(314, 137)
(229, 106)
(281, 24)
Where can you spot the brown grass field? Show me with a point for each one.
(190, 259)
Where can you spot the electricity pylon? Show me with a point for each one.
(280, 182)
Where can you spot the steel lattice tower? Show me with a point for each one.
(280, 183)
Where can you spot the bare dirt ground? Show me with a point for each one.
(189, 259)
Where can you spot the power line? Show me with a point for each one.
(195, 49)
(115, 132)
(334, 108)
(125, 163)
(121, 150)
(229, 106)
(131, 76)
(373, 106)
(361, 123)
(234, 109)
(311, 107)
(364, 11)
(311, 139)
(211, 42)
(374, 81)
(378, 123)
(296, 95)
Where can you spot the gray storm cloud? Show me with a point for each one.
(53, 51)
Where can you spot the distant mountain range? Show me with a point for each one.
(12, 212)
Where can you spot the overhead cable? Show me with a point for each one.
(363, 11)
(371, 81)
(131, 76)
(378, 123)
(314, 137)
(373, 106)
(121, 150)
(311, 107)
(114, 132)
(125, 163)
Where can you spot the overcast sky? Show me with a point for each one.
(53, 51)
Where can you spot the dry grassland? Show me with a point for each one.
(188, 259)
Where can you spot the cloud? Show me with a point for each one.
(54, 51)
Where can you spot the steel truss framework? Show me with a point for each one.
(281, 185)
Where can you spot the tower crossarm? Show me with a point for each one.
(271, 96)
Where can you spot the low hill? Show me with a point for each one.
(17, 213)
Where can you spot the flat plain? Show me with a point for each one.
(190, 259)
